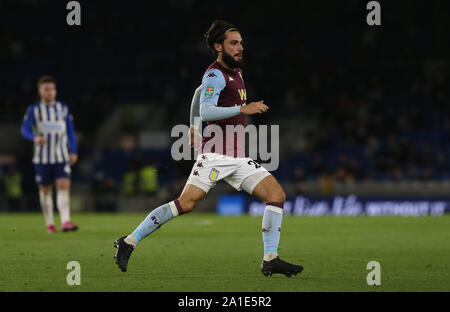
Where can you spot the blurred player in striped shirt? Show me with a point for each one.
(49, 124)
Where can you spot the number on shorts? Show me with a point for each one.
(250, 162)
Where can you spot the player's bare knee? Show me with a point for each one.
(278, 196)
(45, 189)
(63, 186)
(187, 205)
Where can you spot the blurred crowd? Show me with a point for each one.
(365, 102)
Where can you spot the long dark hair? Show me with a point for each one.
(216, 33)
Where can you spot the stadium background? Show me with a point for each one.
(363, 110)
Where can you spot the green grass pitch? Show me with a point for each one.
(206, 252)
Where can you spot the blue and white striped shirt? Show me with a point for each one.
(55, 123)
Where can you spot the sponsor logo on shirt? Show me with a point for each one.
(52, 126)
(243, 94)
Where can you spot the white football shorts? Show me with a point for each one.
(240, 173)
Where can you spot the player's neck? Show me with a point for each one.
(48, 103)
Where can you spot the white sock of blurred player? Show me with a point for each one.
(46, 201)
(63, 204)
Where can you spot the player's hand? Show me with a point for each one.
(195, 138)
(40, 140)
(73, 158)
(254, 108)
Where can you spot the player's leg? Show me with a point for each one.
(271, 192)
(43, 180)
(189, 198)
(256, 180)
(46, 201)
(187, 201)
(63, 204)
(62, 174)
(207, 170)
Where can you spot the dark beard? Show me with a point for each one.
(230, 62)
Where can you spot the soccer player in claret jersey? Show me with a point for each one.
(49, 124)
(221, 101)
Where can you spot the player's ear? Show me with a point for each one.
(218, 47)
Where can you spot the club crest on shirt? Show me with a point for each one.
(209, 92)
(213, 174)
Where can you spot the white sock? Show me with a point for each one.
(63, 204)
(46, 201)
(270, 256)
(271, 225)
(130, 239)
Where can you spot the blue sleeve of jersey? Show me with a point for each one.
(71, 134)
(27, 124)
(195, 106)
(212, 84)
(210, 112)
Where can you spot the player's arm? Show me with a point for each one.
(213, 83)
(195, 123)
(27, 128)
(27, 124)
(71, 138)
(195, 108)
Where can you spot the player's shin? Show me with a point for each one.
(46, 202)
(271, 227)
(63, 204)
(154, 220)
